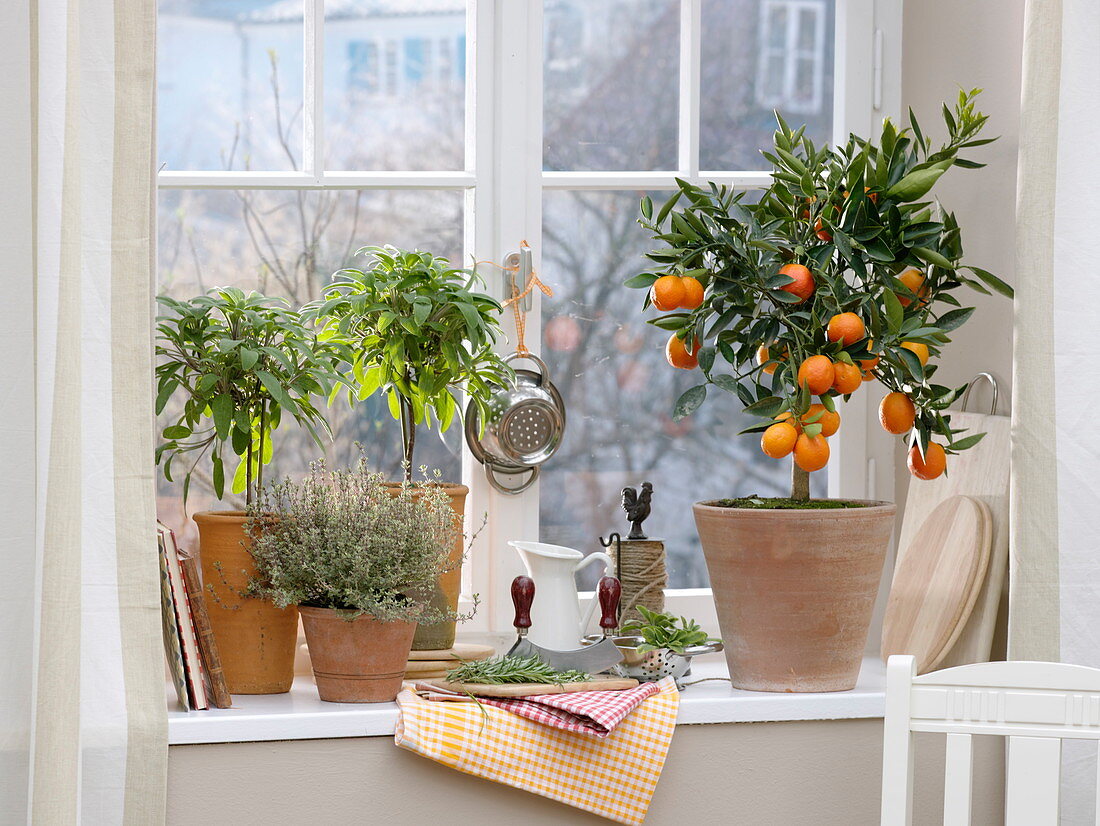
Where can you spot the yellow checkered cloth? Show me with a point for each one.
(613, 777)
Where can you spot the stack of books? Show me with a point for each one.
(189, 644)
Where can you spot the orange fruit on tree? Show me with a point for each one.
(693, 292)
(821, 232)
(763, 355)
(803, 284)
(929, 466)
(847, 378)
(668, 293)
(676, 352)
(829, 420)
(811, 452)
(847, 328)
(913, 279)
(787, 416)
(896, 413)
(778, 440)
(918, 349)
(816, 373)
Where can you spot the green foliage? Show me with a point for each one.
(500, 670)
(419, 333)
(857, 216)
(344, 539)
(242, 361)
(666, 631)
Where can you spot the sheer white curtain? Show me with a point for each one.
(82, 708)
(1055, 577)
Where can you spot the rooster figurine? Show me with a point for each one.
(637, 508)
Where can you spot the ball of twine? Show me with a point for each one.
(643, 577)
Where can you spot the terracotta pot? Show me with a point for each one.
(361, 660)
(794, 591)
(255, 639)
(440, 636)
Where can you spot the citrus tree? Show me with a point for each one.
(241, 362)
(418, 332)
(844, 272)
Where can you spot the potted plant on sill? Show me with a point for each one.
(242, 362)
(842, 273)
(358, 560)
(419, 333)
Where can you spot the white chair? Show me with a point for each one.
(1035, 705)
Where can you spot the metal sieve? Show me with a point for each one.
(523, 428)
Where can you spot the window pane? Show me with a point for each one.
(395, 78)
(741, 83)
(288, 244)
(610, 368)
(229, 84)
(610, 84)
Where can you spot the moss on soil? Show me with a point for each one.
(782, 504)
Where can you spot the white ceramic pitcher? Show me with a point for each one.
(556, 620)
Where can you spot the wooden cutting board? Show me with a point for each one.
(982, 472)
(535, 689)
(441, 672)
(416, 668)
(937, 581)
(460, 651)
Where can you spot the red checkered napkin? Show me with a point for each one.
(595, 713)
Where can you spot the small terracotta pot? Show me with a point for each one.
(256, 640)
(361, 660)
(440, 636)
(794, 591)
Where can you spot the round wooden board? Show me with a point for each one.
(459, 651)
(535, 689)
(936, 582)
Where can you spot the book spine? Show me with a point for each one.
(208, 646)
(172, 647)
(191, 659)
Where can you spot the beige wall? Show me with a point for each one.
(748, 774)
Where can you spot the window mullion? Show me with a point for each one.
(691, 25)
(508, 209)
(313, 110)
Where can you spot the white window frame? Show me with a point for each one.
(503, 184)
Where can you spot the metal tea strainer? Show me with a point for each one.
(523, 428)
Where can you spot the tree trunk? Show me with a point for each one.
(800, 483)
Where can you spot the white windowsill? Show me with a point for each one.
(300, 715)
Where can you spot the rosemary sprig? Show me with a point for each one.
(500, 670)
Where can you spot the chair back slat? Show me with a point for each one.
(1033, 705)
(958, 777)
(1031, 785)
(1097, 821)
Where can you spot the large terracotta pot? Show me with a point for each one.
(255, 639)
(440, 636)
(360, 660)
(794, 591)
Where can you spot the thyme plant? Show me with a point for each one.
(340, 539)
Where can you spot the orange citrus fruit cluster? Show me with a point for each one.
(822, 377)
(676, 292)
(896, 414)
(788, 436)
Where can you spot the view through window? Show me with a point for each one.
(234, 113)
(610, 103)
